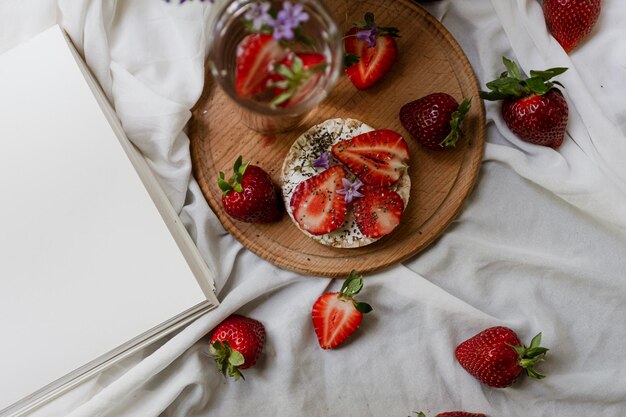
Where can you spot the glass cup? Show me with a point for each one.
(318, 34)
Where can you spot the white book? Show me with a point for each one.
(94, 261)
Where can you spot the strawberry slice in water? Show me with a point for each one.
(378, 212)
(378, 157)
(315, 204)
(255, 55)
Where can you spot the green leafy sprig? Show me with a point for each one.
(293, 78)
(351, 287)
(455, 124)
(530, 356)
(511, 84)
(227, 359)
(234, 182)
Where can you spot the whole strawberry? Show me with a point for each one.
(571, 21)
(250, 195)
(236, 344)
(435, 120)
(533, 108)
(496, 356)
(336, 315)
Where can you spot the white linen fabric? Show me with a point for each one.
(539, 245)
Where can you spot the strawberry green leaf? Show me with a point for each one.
(223, 184)
(285, 71)
(369, 19)
(511, 85)
(363, 307)
(227, 360)
(530, 356)
(512, 68)
(538, 85)
(536, 341)
(492, 96)
(455, 124)
(281, 98)
(548, 74)
(236, 358)
(350, 60)
(352, 285)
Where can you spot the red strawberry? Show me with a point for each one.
(316, 205)
(377, 158)
(250, 195)
(539, 119)
(533, 108)
(236, 344)
(435, 120)
(295, 77)
(337, 315)
(571, 21)
(254, 55)
(378, 212)
(496, 356)
(370, 52)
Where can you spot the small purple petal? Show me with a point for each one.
(350, 189)
(322, 161)
(368, 35)
(259, 15)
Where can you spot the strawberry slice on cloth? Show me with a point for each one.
(336, 315)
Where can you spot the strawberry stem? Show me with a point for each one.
(227, 359)
(531, 355)
(455, 124)
(234, 182)
(351, 287)
(293, 78)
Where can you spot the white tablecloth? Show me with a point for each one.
(539, 246)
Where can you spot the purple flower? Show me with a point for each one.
(289, 18)
(350, 189)
(292, 14)
(259, 15)
(368, 35)
(322, 161)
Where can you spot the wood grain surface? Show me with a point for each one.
(430, 60)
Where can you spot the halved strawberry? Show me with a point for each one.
(378, 212)
(375, 49)
(377, 158)
(316, 205)
(294, 80)
(254, 55)
(337, 315)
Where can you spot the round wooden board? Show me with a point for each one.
(430, 60)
